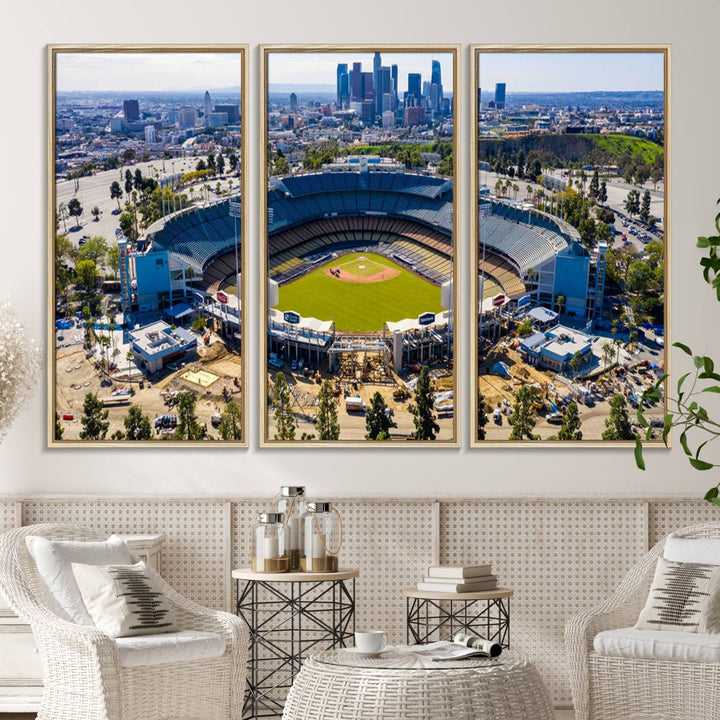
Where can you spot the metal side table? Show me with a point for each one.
(438, 615)
(289, 616)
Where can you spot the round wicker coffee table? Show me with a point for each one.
(340, 685)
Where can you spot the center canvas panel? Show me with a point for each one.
(359, 245)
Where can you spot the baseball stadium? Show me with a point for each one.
(360, 260)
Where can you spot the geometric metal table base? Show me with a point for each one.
(430, 619)
(288, 618)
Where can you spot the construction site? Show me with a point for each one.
(212, 373)
(359, 375)
(502, 372)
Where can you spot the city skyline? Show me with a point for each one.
(163, 71)
(299, 68)
(554, 72)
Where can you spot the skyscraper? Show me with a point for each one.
(368, 88)
(207, 107)
(394, 73)
(342, 70)
(414, 86)
(131, 111)
(500, 95)
(356, 82)
(436, 75)
(293, 103)
(377, 65)
(436, 83)
(383, 86)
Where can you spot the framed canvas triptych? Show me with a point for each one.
(360, 254)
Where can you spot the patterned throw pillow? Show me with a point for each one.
(124, 600)
(684, 597)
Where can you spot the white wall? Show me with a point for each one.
(27, 467)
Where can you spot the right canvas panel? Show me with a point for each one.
(569, 242)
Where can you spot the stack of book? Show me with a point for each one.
(458, 579)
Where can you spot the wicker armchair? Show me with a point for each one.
(614, 688)
(82, 674)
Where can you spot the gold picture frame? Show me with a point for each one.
(182, 268)
(475, 258)
(345, 53)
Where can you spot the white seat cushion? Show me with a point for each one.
(169, 648)
(705, 551)
(658, 645)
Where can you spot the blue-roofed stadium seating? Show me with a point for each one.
(526, 238)
(299, 199)
(198, 235)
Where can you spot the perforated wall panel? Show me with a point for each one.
(193, 558)
(7, 515)
(668, 515)
(559, 557)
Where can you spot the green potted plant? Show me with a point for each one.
(685, 412)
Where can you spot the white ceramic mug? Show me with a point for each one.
(373, 641)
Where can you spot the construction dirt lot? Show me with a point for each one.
(499, 392)
(77, 375)
(304, 390)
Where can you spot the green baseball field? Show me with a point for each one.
(360, 292)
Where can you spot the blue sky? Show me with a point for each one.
(320, 68)
(571, 71)
(159, 71)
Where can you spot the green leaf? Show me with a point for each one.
(712, 389)
(698, 361)
(715, 501)
(701, 464)
(703, 242)
(712, 493)
(641, 417)
(639, 460)
(709, 376)
(682, 380)
(667, 427)
(649, 434)
(683, 347)
(709, 365)
(684, 443)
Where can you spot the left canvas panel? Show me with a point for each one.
(146, 258)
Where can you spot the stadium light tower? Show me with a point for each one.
(235, 213)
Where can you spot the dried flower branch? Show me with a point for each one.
(19, 366)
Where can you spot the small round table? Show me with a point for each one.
(485, 613)
(339, 685)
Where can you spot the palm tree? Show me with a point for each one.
(528, 192)
(104, 341)
(609, 352)
(575, 364)
(129, 356)
(516, 190)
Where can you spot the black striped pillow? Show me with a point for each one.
(684, 597)
(124, 600)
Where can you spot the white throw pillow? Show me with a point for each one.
(692, 550)
(124, 600)
(683, 597)
(54, 559)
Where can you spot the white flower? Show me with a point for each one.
(19, 366)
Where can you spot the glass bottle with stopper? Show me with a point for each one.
(291, 502)
(323, 537)
(269, 547)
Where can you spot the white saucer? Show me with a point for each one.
(359, 653)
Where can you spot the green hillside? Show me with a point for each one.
(617, 145)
